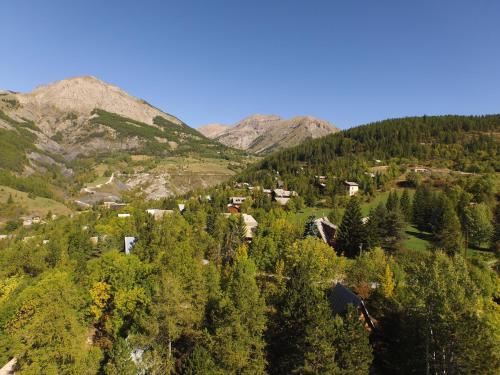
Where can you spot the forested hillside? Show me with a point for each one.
(407, 282)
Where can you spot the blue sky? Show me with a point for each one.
(349, 62)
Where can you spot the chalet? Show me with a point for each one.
(5, 236)
(327, 230)
(113, 205)
(250, 223)
(123, 215)
(420, 170)
(352, 188)
(181, 207)
(267, 191)
(233, 208)
(129, 244)
(251, 226)
(237, 200)
(27, 222)
(283, 196)
(157, 213)
(340, 297)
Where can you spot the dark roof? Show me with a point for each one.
(341, 297)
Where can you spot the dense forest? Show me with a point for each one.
(195, 294)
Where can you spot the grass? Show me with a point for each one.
(301, 216)
(33, 206)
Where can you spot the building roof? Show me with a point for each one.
(351, 183)
(321, 223)
(341, 297)
(129, 244)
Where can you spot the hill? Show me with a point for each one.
(77, 128)
(466, 144)
(263, 134)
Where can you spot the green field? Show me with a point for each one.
(26, 205)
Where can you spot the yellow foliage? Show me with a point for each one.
(100, 296)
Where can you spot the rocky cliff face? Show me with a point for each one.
(262, 134)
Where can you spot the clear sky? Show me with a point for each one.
(346, 61)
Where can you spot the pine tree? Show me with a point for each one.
(10, 200)
(449, 234)
(405, 204)
(354, 352)
(304, 329)
(311, 229)
(392, 201)
(240, 321)
(352, 234)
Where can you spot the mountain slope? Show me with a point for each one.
(73, 126)
(262, 134)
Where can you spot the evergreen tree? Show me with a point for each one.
(311, 230)
(240, 321)
(10, 200)
(304, 330)
(449, 234)
(394, 225)
(405, 204)
(354, 352)
(392, 203)
(352, 234)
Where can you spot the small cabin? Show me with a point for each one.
(233, 208)
(351, 188)
(238, 200)
(129, 244)
(251, 226)
(282, 196)
(327, 231)
(341, 296)
(114, 205)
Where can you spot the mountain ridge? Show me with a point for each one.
(262, 134)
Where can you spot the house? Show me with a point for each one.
(36, 220)
(237, 200)
(94, 240)
(27, 222)
(5, 236)
(327, 230)
(9, 368)
(181, 207)
(123, 215)
(157, 213)
(129, 244)
(233, 208)
(250, 223)
(340, 297)
(283, 196)
(267, 191)
(352, 188)
(113, 205)
(420, 170)
(251, 226)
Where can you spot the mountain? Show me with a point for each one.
(81, 127)
(213, 130)
(262, 134)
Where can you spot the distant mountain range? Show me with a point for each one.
(263, 134)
